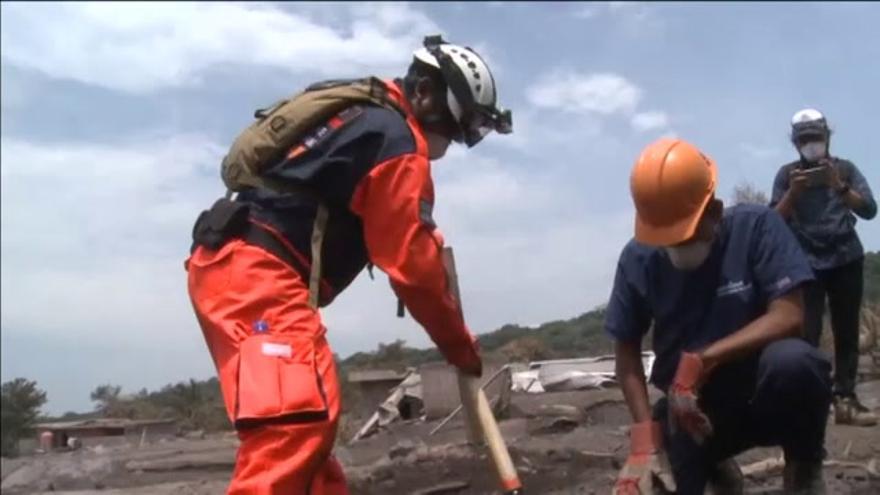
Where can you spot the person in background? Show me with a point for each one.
(820, 196)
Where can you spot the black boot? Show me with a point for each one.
(726, 479)
(803, 478)
(849, 411)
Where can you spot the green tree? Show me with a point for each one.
(107, 399)
(20, 403)
(747, 193)
(194, 404)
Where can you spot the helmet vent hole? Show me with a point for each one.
(478, 87)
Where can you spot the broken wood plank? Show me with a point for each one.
(373, 421)
(870, 468)
(763, 468)
(597, 455)
(774, 465)
(449, 487)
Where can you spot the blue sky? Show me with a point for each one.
(115, 117)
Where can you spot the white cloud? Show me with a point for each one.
(622, 6)
(648, 121)
(594, 97)
(518, 231)
(586, 12)
(571, 91)
(94, 236)
(635, 19)
(140, 47)
(638, 19)
(760, 152)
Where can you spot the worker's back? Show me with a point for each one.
(336, 158)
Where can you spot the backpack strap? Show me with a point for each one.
(377, 94)
(318, 230)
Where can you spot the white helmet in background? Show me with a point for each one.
(809, 124)
(471, 94)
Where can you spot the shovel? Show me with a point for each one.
(479, 415)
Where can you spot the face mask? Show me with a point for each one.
(437, 145)
(813, 151)
(689, 256)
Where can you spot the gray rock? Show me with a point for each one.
(401, 449)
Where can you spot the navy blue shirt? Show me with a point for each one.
(822, 222)
(754, 259)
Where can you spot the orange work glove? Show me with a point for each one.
(684, 411)
(647, 467)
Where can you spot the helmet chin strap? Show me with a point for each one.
(441, 124)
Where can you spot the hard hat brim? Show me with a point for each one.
(670, 235)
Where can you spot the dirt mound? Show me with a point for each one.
(561, 443)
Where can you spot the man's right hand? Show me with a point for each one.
(797, 182)
(684, 410)
(468, 360)
(647, 467)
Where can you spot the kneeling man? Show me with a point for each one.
(721, 291)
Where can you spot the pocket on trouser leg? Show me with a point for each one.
(278, 381)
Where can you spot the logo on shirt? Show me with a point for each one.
(783, 283)
(733, 288)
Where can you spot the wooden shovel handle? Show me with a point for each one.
(476, 407)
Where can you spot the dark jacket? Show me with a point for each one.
(822, 222)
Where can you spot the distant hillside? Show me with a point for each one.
(557, 339)
(198, 404)
(578, 336)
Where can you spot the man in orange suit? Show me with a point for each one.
(250, 292)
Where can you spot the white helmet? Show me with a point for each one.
(471, 94)
(808, 124)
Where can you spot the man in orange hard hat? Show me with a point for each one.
(723, 291)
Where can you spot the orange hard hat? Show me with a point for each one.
(672, 182)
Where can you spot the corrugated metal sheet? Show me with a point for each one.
(582, 373)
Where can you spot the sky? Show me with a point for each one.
(115, 118)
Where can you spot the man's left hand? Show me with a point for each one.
(684, 411)
(835, 182)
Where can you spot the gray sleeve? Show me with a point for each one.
(858, 184)
(780, 186)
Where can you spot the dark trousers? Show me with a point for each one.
(780, 397)
(843, 288)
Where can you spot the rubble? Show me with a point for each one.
(584, 457)
(389, 410)
(444, 488)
